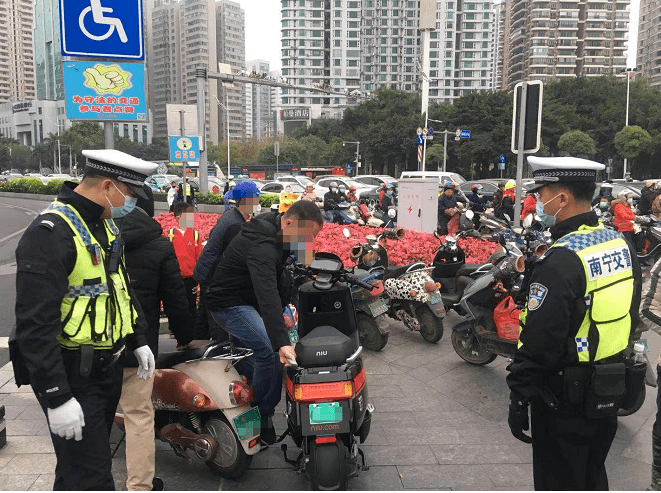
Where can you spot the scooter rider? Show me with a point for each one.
(351, 196)
(582, 304)
(388, 199)
(331, 200)
(245, 298)
(244, 203)
(475, 198)
(447, 202)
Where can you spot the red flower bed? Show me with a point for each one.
(415, 246)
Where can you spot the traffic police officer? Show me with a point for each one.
(582, 304)
(75, 315)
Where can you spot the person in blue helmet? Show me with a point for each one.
(447, 203)
(388, 198)
(243, 202)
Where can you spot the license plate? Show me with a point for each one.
(248, 424)
(435, 298)
(325, 413)
(378, 307)
(293, 336)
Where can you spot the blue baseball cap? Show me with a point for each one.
(245, 189)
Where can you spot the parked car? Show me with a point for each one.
(302, 180)
(278, 186)
(10, 176)
(322, 185)
(442, 176)
(55, 176)
(375, 180)
(160, 182)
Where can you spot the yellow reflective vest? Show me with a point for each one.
(97, 308)
(607, 266)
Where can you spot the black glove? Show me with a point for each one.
(518, 420)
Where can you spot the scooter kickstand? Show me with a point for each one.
(295, 463)
(365, 467)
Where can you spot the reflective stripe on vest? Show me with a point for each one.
(89, 314)
(196, 235)
(608, 271)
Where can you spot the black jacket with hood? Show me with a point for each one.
(249, 273)
(155, 276)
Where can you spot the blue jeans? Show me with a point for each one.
(330, 217)
(245, 325)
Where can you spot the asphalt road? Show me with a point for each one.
(16, 215)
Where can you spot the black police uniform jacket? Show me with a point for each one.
(546, 350)
(45, 256)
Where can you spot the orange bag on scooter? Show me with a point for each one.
(453, 225)
(506, 317)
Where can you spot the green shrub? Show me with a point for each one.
(268, 199)
(160, 197)
(26, 185)
(53, 186)
(209, 198)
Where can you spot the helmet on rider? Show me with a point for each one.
(476, 188)
(447, 184)
(510, 184)
(352, 188)
(332, 185)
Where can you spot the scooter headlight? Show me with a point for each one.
(371, 258)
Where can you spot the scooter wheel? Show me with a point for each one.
(327, 468)
(231, 461)
(369, 334)
(470, 351)
(431, 326)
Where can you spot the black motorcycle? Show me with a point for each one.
(328, 406)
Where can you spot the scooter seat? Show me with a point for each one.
(324, 346)
(169, 356)
(462, 284)
(400, 271)
(468, 269)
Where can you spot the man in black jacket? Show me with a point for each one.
(245, 299)
(245, 203)
(647, 195)
(447, 203)
(332, 198)
(155, 276)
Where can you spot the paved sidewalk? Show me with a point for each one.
(439, 424)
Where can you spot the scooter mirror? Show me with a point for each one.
(436, 235)
(346, 233)
(527, 221)
(392, 213)
(355, 252)
(520, 264)
(470, 215)
(371, 238)
(518, 230)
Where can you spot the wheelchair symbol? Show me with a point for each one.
(98, 16)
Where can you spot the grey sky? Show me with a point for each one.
(263, 31)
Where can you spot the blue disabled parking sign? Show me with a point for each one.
(102, 29)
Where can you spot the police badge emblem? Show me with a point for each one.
(536, 295)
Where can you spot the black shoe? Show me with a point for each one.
(157, 484)
(268, 434)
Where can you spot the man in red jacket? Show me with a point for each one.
(187, 247)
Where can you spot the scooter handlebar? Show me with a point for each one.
(359, 282)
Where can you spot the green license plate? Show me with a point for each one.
(378, 306)
(325, 412)
(248, 424)
(435, 298)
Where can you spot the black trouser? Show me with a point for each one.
(569, 451)
(190, 285)
(656, 428)
(86, 465)
(443, 224)
(205, 325)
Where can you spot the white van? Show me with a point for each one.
(443, 176)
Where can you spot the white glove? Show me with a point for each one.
(67, 420)
(146, 363)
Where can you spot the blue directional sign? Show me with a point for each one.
(502, 158)
(419, 140)
(349, 169)
(102, 29)
(465, 134)
(184, 149)
(430, 132)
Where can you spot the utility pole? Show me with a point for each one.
(201, 76)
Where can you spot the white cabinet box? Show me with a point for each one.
(417, 207)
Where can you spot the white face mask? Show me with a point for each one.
(256, 209)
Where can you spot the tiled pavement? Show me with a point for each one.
(439, 424)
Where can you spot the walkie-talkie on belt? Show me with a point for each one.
(115, 256)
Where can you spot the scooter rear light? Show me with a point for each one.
(359, 381)
(430, 286)
(320, 440)
(290, 386)
(289, 323)
(438, 285)
(200, 400)
(311, 392)
(253, 442)
(413, 293)
(240, 393)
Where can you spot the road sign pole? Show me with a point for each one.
(424, 148)
(109, 135)
(201, 75)
(445, 148)
(182, 130)
(520, 155)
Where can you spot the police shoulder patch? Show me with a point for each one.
(47, 224)
(536, 295)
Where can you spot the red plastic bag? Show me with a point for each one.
(506, 317)
(453, 225)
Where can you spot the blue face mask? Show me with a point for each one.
(389, 192)
(603, 205)
(124, 210)
(547, 220)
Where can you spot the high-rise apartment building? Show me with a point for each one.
(16, 50)
(231, 50)
(498, 46)
(258, 103)
(364, 45)
(550, 39)
(649, 41)
(49, 76)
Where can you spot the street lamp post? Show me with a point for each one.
(59, 151)
(226, 107)
(445, 145)
(357, 152)
(626, 117)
